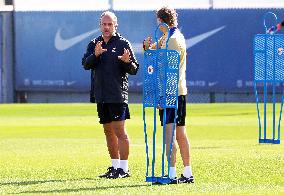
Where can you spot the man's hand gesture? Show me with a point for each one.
(125, 56)
(99, 49)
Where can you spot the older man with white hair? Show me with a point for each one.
(111, 59)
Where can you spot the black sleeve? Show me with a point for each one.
(133, 66)
(92, 91)
(89, 60)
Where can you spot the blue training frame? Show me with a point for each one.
(268, 70)
(161, 73)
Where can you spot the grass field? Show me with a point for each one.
(60, 148)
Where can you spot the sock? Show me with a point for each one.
(124, 165)
(187, 171)
(115, 163)
(173, 172)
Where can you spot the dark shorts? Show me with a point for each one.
(170, 113)
(109, 112)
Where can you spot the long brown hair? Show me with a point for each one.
(168, 15)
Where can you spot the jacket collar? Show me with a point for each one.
(116, 36)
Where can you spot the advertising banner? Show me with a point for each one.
(50, 45)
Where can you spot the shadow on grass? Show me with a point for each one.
(85, 189)
(20, 183)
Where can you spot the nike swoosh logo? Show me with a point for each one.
(197, 39)
(63, 44)
(137, 47)
(211, 84)
(68, 83)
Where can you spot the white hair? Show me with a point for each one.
(110, 14)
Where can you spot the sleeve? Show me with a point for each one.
(133, 66)
(89, 60)
(92, 90)
(174, 45)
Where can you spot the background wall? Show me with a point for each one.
(50, 46)
(42, 43)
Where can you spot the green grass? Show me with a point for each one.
(60, 148)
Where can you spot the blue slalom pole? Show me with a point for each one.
(258, 114)
(146, 142)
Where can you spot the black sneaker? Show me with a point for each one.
(174, 181)
(184, 179)
(118, 173)
(110, 170)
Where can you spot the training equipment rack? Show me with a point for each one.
(269, 78)
(161, 76)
